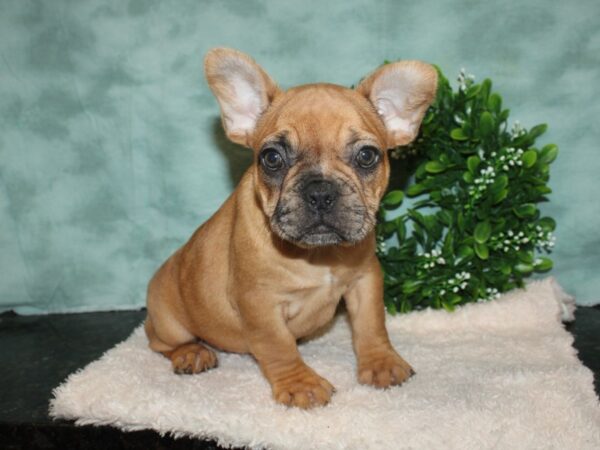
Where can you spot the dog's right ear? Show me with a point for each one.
(243, 89)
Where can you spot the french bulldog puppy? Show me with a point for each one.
(297, 234)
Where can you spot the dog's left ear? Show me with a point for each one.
(401, 92)
(243, 89)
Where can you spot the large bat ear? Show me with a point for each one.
(401, 92)
(243, 89)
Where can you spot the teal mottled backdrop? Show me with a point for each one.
(111, 152)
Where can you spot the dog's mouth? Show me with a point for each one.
(321, 234)
(317, 234)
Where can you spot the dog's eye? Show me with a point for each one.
(272, 159)
(367, 157)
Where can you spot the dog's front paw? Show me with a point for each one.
(384, 370)
(303, 388)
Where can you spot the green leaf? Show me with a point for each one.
(537, 131)
(498, 197)
(389, 228)
(393, 199)
(505, 268)
(391, 309)
(415, 190)
(473, 91)
(448, 306)
(494, 103)
(400, 229)
(410, 286)
(482, 251)
(460, 221)
(547, 223)
(548, 154)
(434, 167)
(543, 264)
(526, 256)
(525, 210)
(486, 124)
(436, 195)
(468, 177)
(500, 183)
(482, 232)
(524, 268)
(483, 211)
(543, 190)
(458, 135)
(529, 158)
(448, 248)
(455, 299)
(445, 217)
(472, 163)
(464, 253)
(420, 172)
(428, 118)
(405, 306)
(486, 87)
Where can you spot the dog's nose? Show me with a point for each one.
(320, 195)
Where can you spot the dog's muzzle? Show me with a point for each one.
(318, 211)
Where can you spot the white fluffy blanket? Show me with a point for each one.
(499, 375)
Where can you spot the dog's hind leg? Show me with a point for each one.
(188, 357)
(165, 331)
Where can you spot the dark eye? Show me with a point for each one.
(367, 157)
(272, 159)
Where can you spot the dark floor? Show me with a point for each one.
(38, 352)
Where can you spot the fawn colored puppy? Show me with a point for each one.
(297, 235)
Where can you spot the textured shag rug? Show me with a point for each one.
(499, 374)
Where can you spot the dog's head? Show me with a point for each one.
(321, 164)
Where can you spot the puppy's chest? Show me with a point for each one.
(314, 292)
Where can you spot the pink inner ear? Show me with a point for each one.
(244, 107)
(401, 130)
(401, 93)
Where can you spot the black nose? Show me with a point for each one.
(320, 195)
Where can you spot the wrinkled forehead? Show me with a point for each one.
(322, 117)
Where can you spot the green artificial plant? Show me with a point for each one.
(473, 229)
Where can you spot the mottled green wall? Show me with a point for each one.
(111, 153)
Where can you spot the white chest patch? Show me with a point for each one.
(328, 278)
(313, 293)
